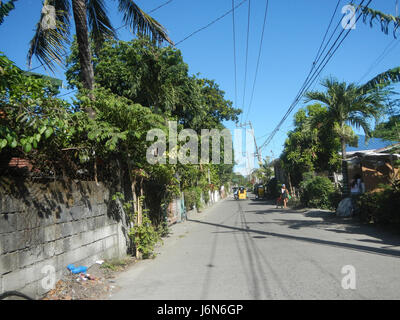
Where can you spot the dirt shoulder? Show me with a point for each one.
(96, 284)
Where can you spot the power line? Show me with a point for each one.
(160, 6)
(258, 60)
(327, 30)
(309, 81)
(234, 48)
(318, 57)
(389, 48)
(75, 90)
(65, 54)
(247, 55)
(211, 23)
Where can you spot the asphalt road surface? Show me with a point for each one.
(248, 249)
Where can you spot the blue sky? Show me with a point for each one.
(293, 34)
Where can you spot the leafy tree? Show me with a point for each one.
(37, 126)
(390, 129)
(348, 103)
(265, 171)
(29, 112)
(311, 146)
(48, 44)
(157, 78)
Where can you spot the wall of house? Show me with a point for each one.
(55, 224)
(376, 173)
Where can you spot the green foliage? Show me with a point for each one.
(163, 229)
(159, 79)
(390, 129)
(311, 146)
(30, 115)
(380, 207)
(349, 104)
(193, 198)
(384, 19)
(145, 236)
(265, 171)
(5, 9)
(316, 192)
(49, 45)
(115, 264)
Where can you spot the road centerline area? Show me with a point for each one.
(251, 250)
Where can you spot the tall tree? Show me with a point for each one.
(157, 78)
(90, 17)
(310, 146)
(348, 104)
(5, 9)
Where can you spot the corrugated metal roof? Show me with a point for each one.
(372, 144)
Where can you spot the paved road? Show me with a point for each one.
(251, 250)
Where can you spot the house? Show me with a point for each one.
(373, 161)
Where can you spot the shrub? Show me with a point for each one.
(192, 198)
(145, 236)
(380, 207)
(317, 192)
(335, 198)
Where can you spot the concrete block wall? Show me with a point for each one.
(54, 224)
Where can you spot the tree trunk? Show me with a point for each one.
(344, 170)
(290, 184)
(82, 35)
(136, 207)
(139, 255)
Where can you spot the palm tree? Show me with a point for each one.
(5, 9)
(348, 104)
(49, 43)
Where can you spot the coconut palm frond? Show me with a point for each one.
(383, 79)
(99, 23)
(49, 42)
(384, 19)
(5, 9)
(141, 22)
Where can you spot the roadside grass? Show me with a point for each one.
(116, 264)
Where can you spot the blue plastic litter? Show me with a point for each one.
(80, 269)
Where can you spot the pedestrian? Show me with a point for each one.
(284, 197)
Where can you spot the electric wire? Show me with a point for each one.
(389, 48)
(258, 60)
(310, 80)
(209, 24)
(247, 55)
(234, 49)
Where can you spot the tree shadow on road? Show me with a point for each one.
(327, 220)
(388, 240)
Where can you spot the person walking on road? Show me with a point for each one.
(284, 197)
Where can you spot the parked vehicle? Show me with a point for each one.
(260, 192)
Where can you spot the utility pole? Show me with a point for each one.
(244, 125)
